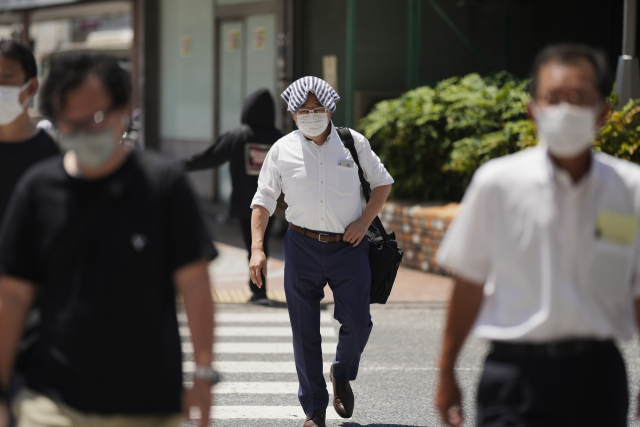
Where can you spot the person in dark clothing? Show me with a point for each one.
(21, 146)
(245, 147)
(21, 143)
(109, 237)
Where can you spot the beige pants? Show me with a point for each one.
(35, 410)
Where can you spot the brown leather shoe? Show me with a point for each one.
(343, 400)
(316, 418)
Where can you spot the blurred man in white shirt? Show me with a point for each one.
(545, 252)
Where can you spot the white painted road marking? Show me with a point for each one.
(251, 367)
(258, 412)
(325, 317)
(258, 388)
(257, 347)
(257, 331)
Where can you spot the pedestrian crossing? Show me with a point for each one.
(257, 348)
(259, 331)
(254, 355)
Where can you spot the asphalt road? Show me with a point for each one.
(396, 382)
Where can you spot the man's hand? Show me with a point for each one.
(355, 233)
(198, 396)
(257, 265)
(449, 400)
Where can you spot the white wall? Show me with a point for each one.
(186, 82)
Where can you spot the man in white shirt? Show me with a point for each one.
(326, 240)
(546, 252)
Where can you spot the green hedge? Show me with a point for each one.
(432, 140)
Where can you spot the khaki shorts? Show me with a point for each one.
(32, 409)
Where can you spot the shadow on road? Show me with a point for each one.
(377, 425)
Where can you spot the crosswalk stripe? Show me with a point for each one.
(257, 331)
(325, 317)
(251, 367)
(258, 412)
(257, 347)
(257, 388)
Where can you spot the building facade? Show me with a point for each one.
(194, 61)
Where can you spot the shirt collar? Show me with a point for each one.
(331, 138)
(557, 176)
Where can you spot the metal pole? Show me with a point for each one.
(628, 72)
(414, 16)
(629, 28)
(350, 62)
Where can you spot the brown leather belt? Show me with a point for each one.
(321, 237)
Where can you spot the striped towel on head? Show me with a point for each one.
(296, 93)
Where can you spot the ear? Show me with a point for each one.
(329, 114)
(32, 89)
(529, 108)
(293, 116)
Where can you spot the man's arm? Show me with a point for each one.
(217, 154)
(357, 230)
(16, 298)
(192, 282)
(464, 306)
(258, 262)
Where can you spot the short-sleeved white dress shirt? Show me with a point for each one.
(321, 194)
(529, 233)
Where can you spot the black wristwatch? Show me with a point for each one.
(207, 374)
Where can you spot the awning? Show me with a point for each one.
(30, 4)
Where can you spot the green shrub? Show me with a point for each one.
(432, 140)
(620, 136)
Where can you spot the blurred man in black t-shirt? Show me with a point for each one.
(108, 237)
(245, 148)
(21, 143)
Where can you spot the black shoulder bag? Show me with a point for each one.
(384, 254)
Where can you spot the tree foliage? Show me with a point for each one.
(432, 140)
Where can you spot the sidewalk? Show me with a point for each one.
(230, 277)
(230, 271)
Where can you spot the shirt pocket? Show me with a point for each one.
(611, 266)
(345, 180)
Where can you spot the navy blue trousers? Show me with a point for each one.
(309, 266)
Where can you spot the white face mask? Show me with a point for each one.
(567, 130)
(10, 106)
(313, 124)
(92, 149)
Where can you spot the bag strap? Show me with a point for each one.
(347, 139)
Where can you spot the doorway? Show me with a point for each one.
(247, 54)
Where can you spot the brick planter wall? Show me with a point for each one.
(419, 230)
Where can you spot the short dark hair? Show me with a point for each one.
(70, 71)
(19, 53)
(571, 54)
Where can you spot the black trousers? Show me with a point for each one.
(245, 227)
(590, 390)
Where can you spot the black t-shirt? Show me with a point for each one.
(16, 158)
(110, 342)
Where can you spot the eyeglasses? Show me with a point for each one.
(320, 110)
(95, 123)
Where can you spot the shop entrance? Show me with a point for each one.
(247, 53)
